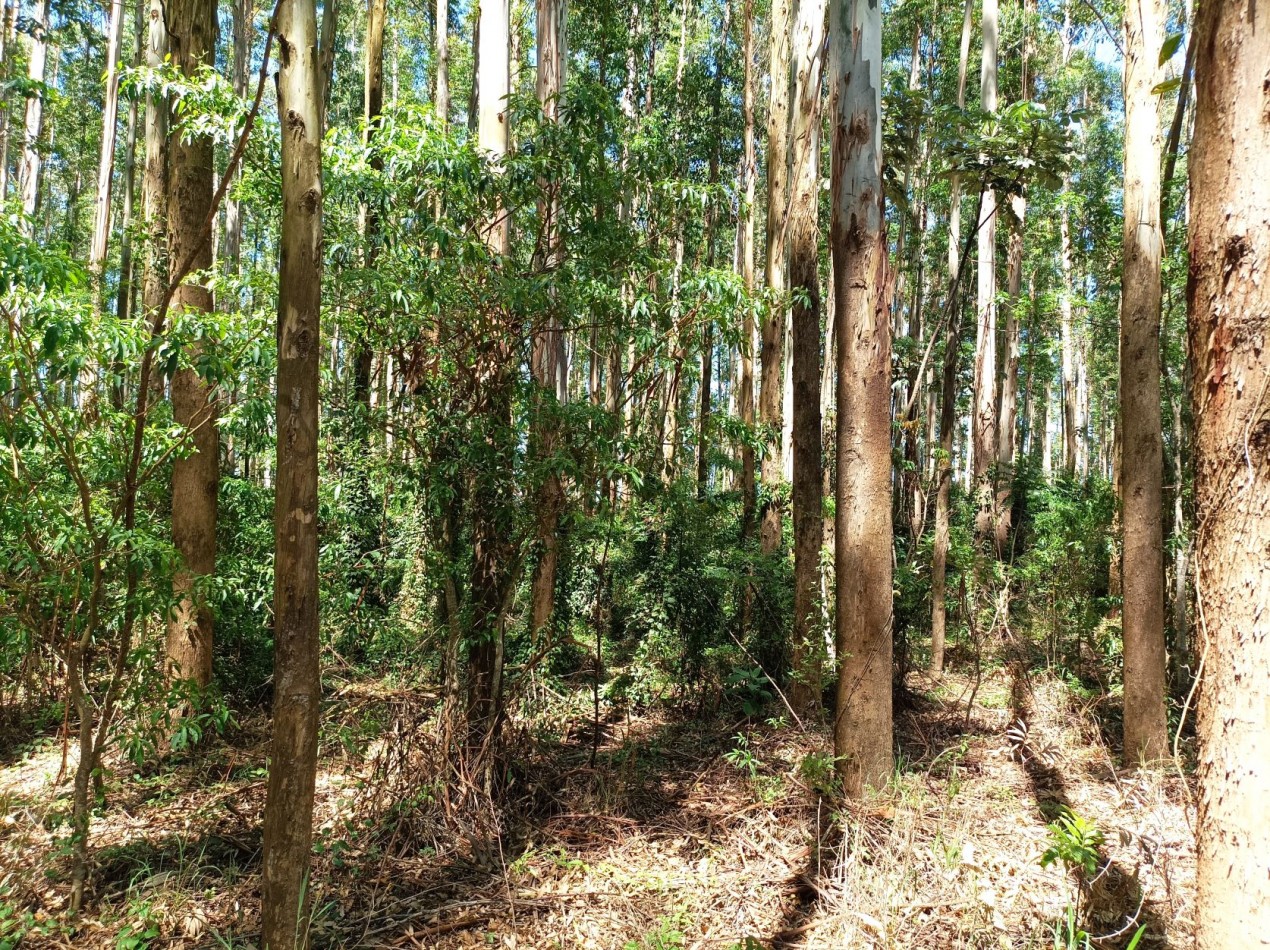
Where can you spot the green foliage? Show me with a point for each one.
(742, 757)
(667, 935)
(1075, 842)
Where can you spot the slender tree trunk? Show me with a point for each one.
(549, 351)
(1229, 306)
(326, 54)
(288, 821)
(862, 727)
(155, 186)
(8, 14)
(37, 57)
(1007, 424)
(948, 405)
(1067, 337)
(490, 555)
(772, 350)
(1180, 648)
(442, 93)
(804, 281)
(984, 416)
(711, 237)
(373, 103)
(1142, 452)
(195, 476)
(242, 16)
(109, 125)
(123, 303)
(749, 172)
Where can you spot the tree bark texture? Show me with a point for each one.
(192, 32)
(288, 821)
(33, 120)
(984, 413)
(1141, 471)
(772, 349)
(862, 726)
(948, 405)
(109, 125)
(1229, 330)
(804, 280)
(749, 173)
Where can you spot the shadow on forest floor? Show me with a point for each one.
(1113, 905)
(686, 830)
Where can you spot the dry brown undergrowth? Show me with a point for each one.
(672, 839)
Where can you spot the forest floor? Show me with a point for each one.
(678, 830)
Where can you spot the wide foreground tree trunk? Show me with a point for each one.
(1229, 305)
(862, 725)
(192, 32)
(1141, 469)
(288, 822)
(804, 281)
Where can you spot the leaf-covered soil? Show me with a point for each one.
(677, 828)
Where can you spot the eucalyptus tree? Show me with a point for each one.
(1229, 307)
(550, 356)
(1141, 449)
(803, 236)
(109, 126)
(772, 356)
(862, 731)
(33, 120)
(984, 412)
(948, 395)
(288, 819)
(192, 30)
(490, 562)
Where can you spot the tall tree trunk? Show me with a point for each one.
(804, 281)
(1067, 336)
(33, 124)
(772, 349)
(242, 16)
(1142, 451)
(326, 53)
(1180, 652)
(1007, 424)
(109, 125)
(948, 406)
(195, 476)
(984, 415)
(123, 303)
(749, 172)
(490, 555)
(8, 15)
(862, 727)
(1229, 306)
(549, 365)
(288, 821)
(373, 104)
(442, 92)
(155, 185)
(711, 238)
